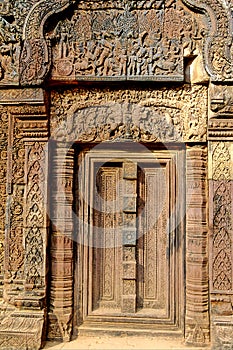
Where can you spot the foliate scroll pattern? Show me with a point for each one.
(217, 51)
(221, 162)
(18, 330)
(133, 40)
(4, 116)
(222, 218)
(15, 225)
(145, 115)
(35, 216)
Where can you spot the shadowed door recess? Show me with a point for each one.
(130, 242)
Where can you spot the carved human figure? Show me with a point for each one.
(63, 48)
(141, 60)
(81, 62)
(123, 62)
(103, 61)
(8, 65)
(150, 61)
(218, 59)
(156, 58)
(132, 62)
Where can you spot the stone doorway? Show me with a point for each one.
(130, 239)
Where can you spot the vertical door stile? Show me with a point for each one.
(129, 237)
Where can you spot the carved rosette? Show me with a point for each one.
(61, 253)
(221, 243)
(197, 305)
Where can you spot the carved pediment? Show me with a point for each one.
(122, 40)
(113, 40)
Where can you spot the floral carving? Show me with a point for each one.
(18, 331)
(222, 221)
(35, 57)
(14, 232)
(143, 115)
(35, 215)
(4, 115)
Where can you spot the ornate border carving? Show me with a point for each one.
(4, 119)
(35, 56)
(221, 243)
(22, 314)
(216, 50)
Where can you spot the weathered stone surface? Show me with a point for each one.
(145, 115)
(116, 160)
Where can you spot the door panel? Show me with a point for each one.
(114, 271)
(107, 252)
(153, 242)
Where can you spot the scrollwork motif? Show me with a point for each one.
(217, 51)
(35, 220)
(4, 116)
(222, 221)
(35, 57)
(152, 115)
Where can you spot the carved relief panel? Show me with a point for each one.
(70, 41)
(146, 115)
(113, 40)
(119, 40)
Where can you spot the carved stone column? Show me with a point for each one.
(197, 315)
(61, 253)
(23, 312)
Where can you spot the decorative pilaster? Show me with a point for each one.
(61, 293)
(197, 315)
(221, 244)
(35, 240)
(23, 312)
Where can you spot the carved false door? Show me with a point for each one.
(130, 242)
